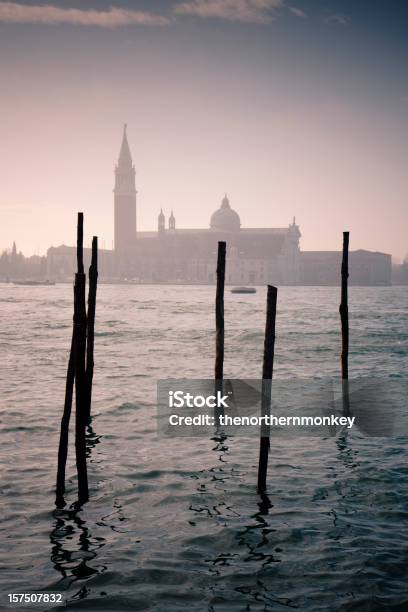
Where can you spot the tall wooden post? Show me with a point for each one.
(69, 385)
(93, 281)
(344, 315)
(80, 370)
(219, 313)
(219, 327)
(267, 373)
(64, 434)
(80, 326)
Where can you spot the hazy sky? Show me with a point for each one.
(291, 107)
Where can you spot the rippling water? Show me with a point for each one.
(176, 524)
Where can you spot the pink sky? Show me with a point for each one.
(209, 111)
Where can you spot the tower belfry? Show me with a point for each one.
(125, 199)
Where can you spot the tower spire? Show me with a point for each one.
(125, 199)
(172, 221)
(125, 157)
(161, 222)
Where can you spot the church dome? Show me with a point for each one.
(225, 218)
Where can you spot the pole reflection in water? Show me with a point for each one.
(74, 548)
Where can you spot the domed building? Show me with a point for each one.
(225, 219)
(171, 254)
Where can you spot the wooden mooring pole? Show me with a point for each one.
(69, 385)
(80, 327)
(219, 327)
(267, 373)
(80, 370)
(343, 309)
(64, 434)
(344, 318)
(93, 282)
(219, 313)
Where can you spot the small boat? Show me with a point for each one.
(243, 290)
(33, 283)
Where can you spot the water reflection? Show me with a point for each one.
(73, 546)
(92, 439)
(346, 454)
(220, 447)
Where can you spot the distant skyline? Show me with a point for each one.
(292, 108)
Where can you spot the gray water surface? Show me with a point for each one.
(175, 524)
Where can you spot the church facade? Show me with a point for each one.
(177, 255)
(170, 254)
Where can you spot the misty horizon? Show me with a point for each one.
(292, 109)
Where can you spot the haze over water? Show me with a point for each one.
(176, 524)
(292, 108)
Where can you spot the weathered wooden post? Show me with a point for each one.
(69, 385)
(219, 313)
(80, 370)
(344, 318)
(64, 434)
(219, 327)
(267, 373)
(93, 281)
(343, 309)
(80, 327)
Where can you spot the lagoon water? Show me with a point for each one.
(176, 524)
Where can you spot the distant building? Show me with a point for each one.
(61, 262)
(365, 268)
(400, 273)
(254, 255)
(14, 266)
(124, 201)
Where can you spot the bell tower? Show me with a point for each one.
(125, 199)
(172, 222)
(161, 222)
